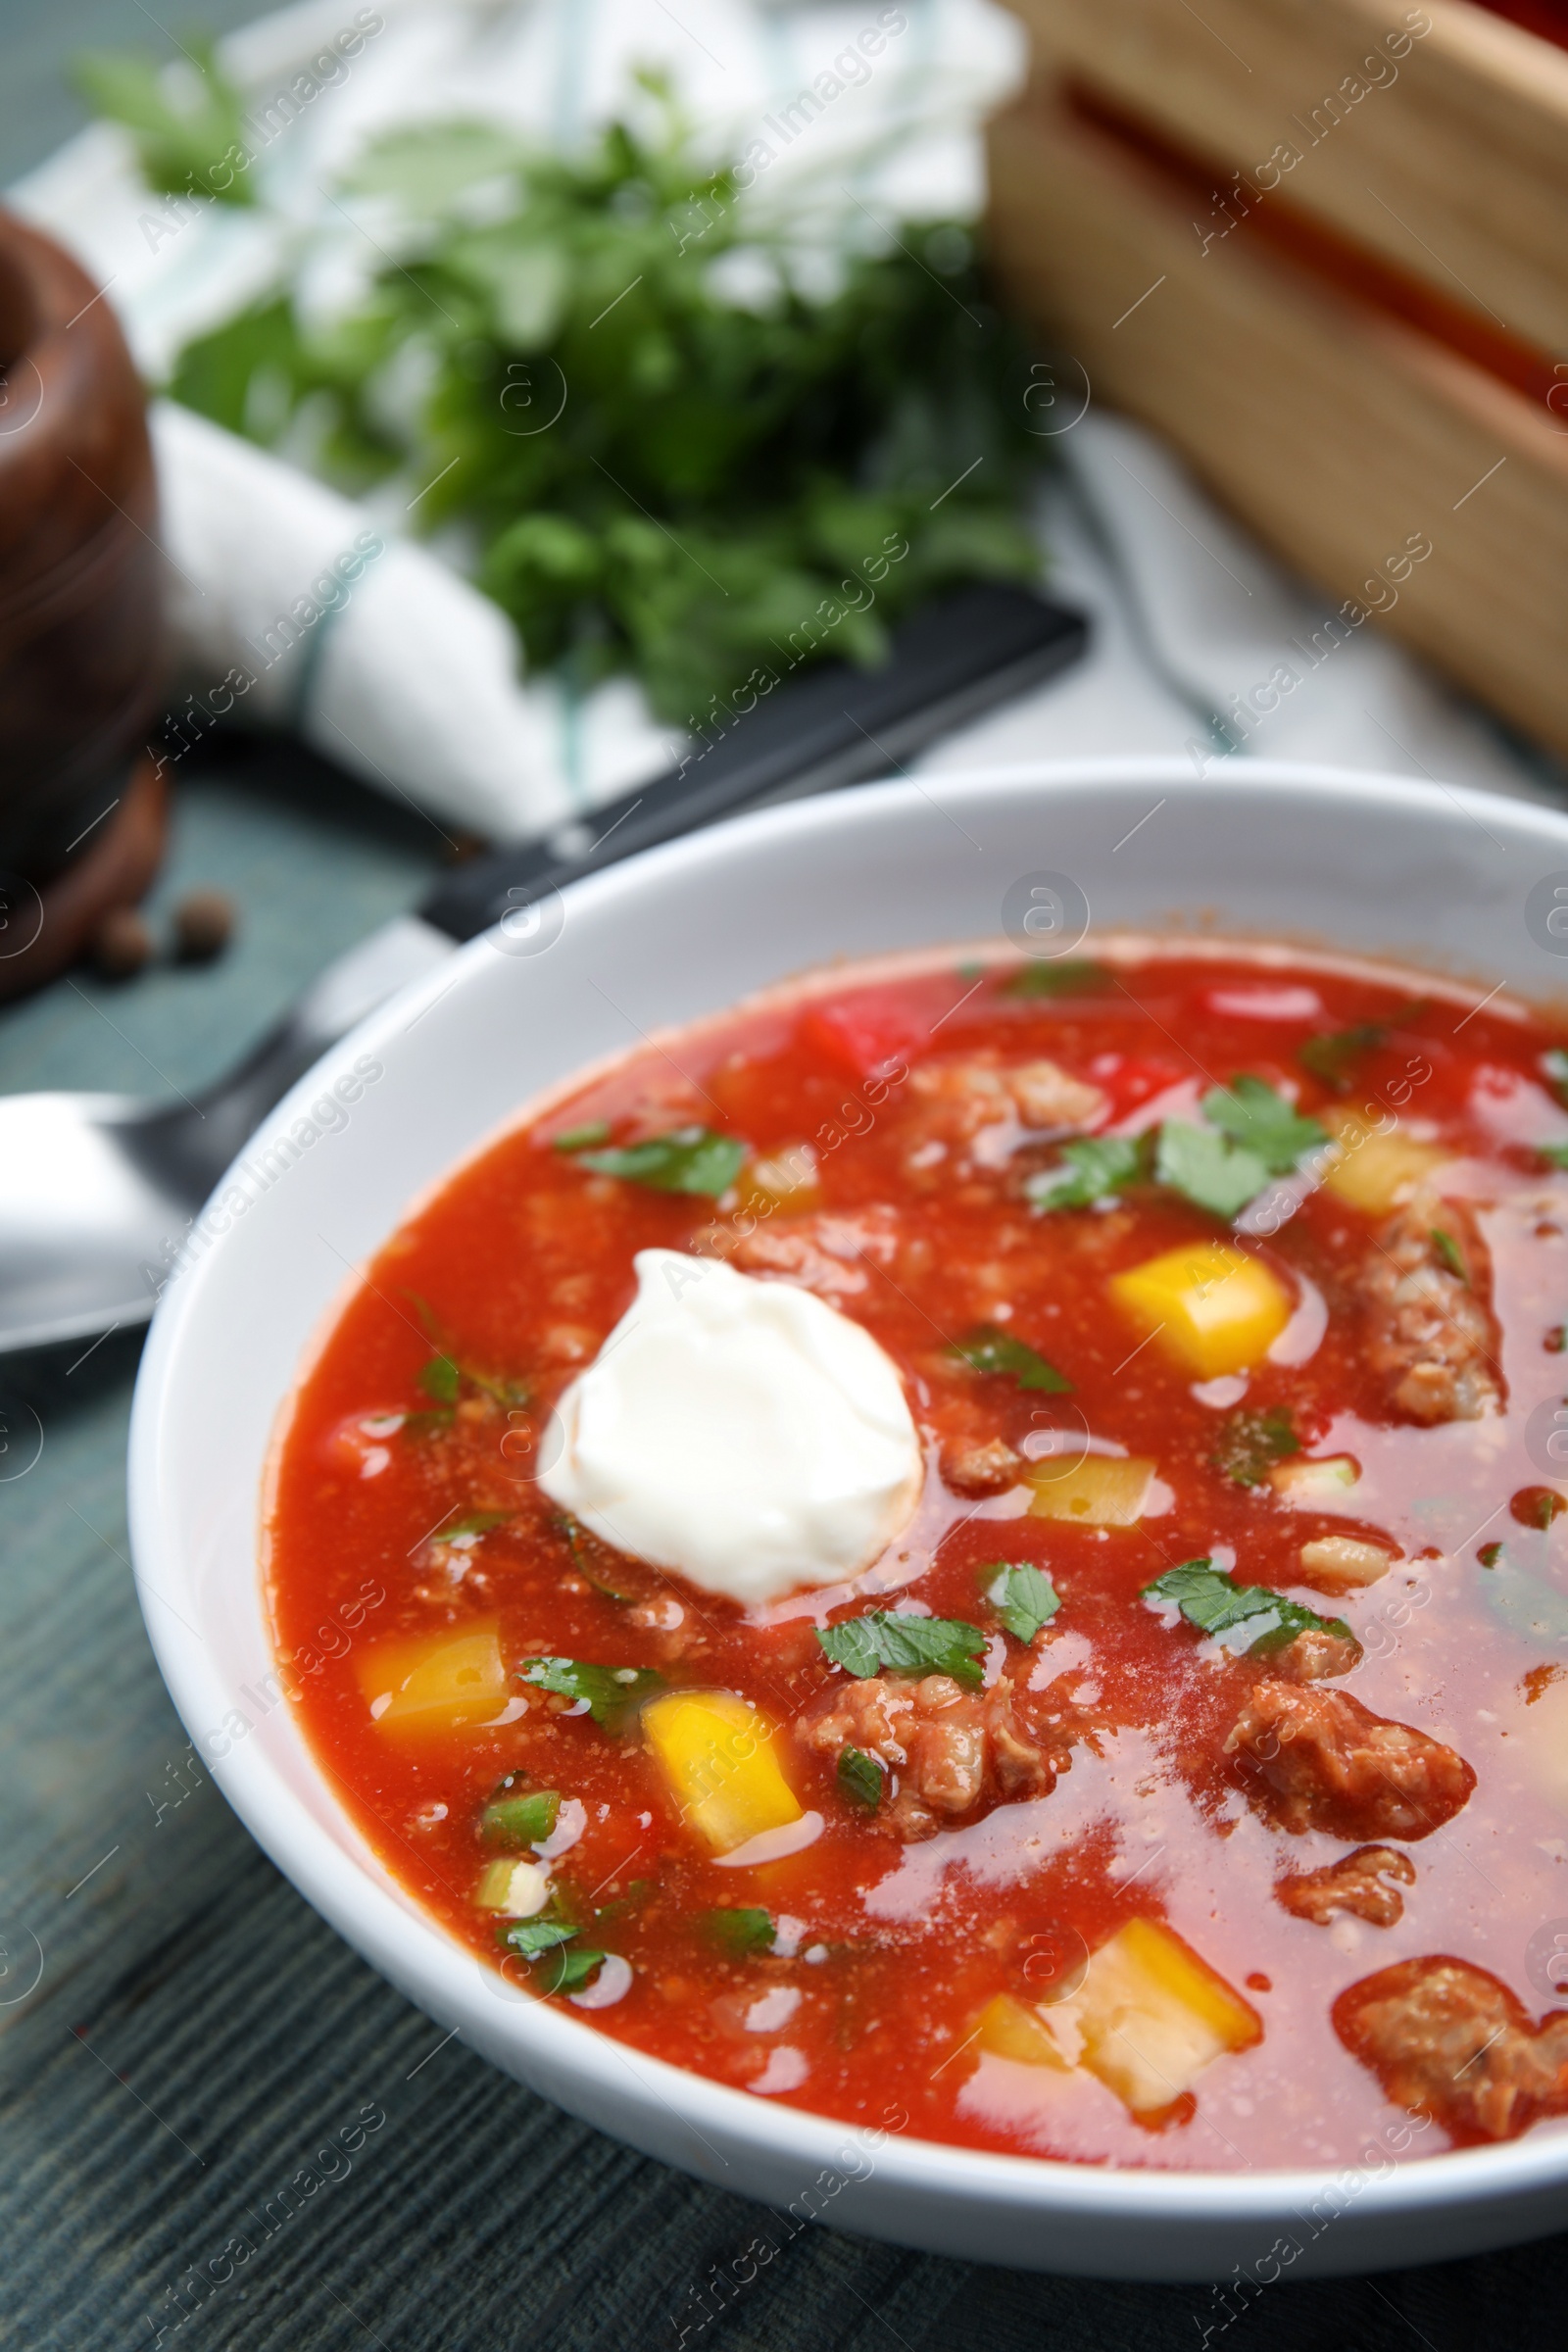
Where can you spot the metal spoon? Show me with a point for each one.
(97, 1192)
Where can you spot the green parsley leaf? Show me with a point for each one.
(905, 1646)
(637, 1892)
(578, 1139)
(1023, 1597)
(1332, 1056)
(740, 1932)
(860, 1778)
(1207, 1168)
(1553, 1066)
(1555, 1156)
(1069, 976)
(1448, 1248)
(513, 1821)
(532, 1938)
(610, 1691)
(609, 1572)
(1087, 1170)
(988, 1348)
(423, 1425)
(1253, 1441)
(1255, 1116)
(1262, 1619)
(179, 147)
(563, 1972)
(689, 1159)
(440, 1378)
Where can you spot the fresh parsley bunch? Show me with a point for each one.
(683, 435)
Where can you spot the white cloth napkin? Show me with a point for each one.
(292, 605)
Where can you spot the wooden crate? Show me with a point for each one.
(1443, 150)
(1342, 434)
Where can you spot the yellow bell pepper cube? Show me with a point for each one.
(717, 1753)
(1214, 1307)
(436, 1683)
(1010, 2029)
(1101, 1490)
(1372, 1170)
(1152, 2015)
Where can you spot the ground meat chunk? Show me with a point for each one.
(1429, 1336)
(1452, 2040)
(1047, 1095)
(948, 1750)
(980, 1467)
(955, 1098)
(1357, 1882)
(1319, 1760)
(824, 1253)
(1316, 1654)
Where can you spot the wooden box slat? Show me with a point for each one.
(1335, 432)
(1456, 170)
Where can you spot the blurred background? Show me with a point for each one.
(528, 377)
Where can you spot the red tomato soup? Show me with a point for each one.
(1185, 1781)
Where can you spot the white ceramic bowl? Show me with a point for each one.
(1366, 864)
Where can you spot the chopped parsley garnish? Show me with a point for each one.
(1261, 1620)
(610, 1691)
(1071, 976)
(1555, 1069)
(1332, 1058)
(562, 1970)
(740, 1932)
(515, 1818)
(440, 1378)
(1252, 1134)
(862, 1645)
(578, 1139)
(599, 1564)
(1261, 1121)
(689, 1159)
(1448, 1248)
(477, 1523)
(989, 1349)
(1023, 1597)
(1253, 1441)
(542, 1943)
(1087, 1170)
(531, 1939)
(1207, 1168)
(860, 1778)
(637, 1892)
(421, 1425)
(442, 1375)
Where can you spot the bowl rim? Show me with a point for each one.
(410, 1947)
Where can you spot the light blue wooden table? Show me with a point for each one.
(217, 2127)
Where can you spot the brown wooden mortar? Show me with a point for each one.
(80, 613)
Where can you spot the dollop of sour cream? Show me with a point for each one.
(743, 1433)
